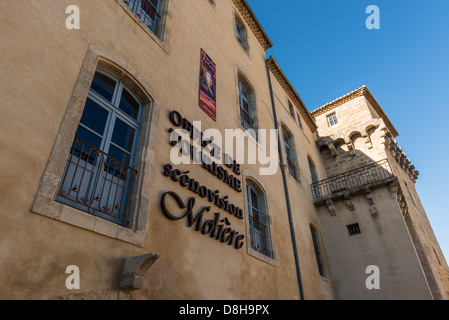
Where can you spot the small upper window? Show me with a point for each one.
(299, 120)
(148, 11)
(332, 119)
(240, 32)
(247, 107)
(291, 109)
(290, 154)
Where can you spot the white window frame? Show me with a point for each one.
(332, 119)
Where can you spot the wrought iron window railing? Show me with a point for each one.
(259, 236)
(146, 11)
(247, 121)
(291, 168)
(95, 182)
(352, 179)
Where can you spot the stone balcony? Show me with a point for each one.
(357, 181)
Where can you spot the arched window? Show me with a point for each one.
(314, 176)
(99, 169)
(290, 153)
(247, 106)
(317, 248)
(258, 220)
(108, 175)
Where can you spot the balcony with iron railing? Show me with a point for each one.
(96, 183)
(259, 236)
(353, 181)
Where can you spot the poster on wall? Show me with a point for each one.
(208, 83)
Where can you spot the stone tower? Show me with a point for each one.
(369, 208)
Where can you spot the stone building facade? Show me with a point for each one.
(94, 207)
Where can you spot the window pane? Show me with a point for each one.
(119, 155)
(104, 86)
(287, 146)
(254, 199)
(123, 135)
(94, 117)
(245, 106)
(243, 90)
(89, 137)
(332, 119)
(129, 105)
(149, 7)
(239, 35)
(286, 139)
(299, 120)
(247, 122)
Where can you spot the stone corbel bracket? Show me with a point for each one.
(372, 203)
(331, 207)
(349, 202)
(134, 269)
(327, 142)
(402, 203)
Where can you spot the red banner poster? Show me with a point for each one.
(208, 82)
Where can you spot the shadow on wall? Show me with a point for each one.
(350, 170)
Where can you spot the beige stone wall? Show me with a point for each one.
(384, 242)
(426, 245)
(303, 211)
(47, 70)
(355, 136)
(399, 219)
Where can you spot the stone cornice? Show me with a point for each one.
(291, 92)
(363, 91)
(250, 18)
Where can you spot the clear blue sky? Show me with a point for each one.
(326, 51)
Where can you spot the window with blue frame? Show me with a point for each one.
(99, 170)
(314, 176)
(148, 11)
(290, 153)
(240, 32)
(248, 113)
(258, 221)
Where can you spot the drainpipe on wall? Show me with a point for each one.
(284, 178)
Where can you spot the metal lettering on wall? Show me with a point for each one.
(217, 228)
(220, 232)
